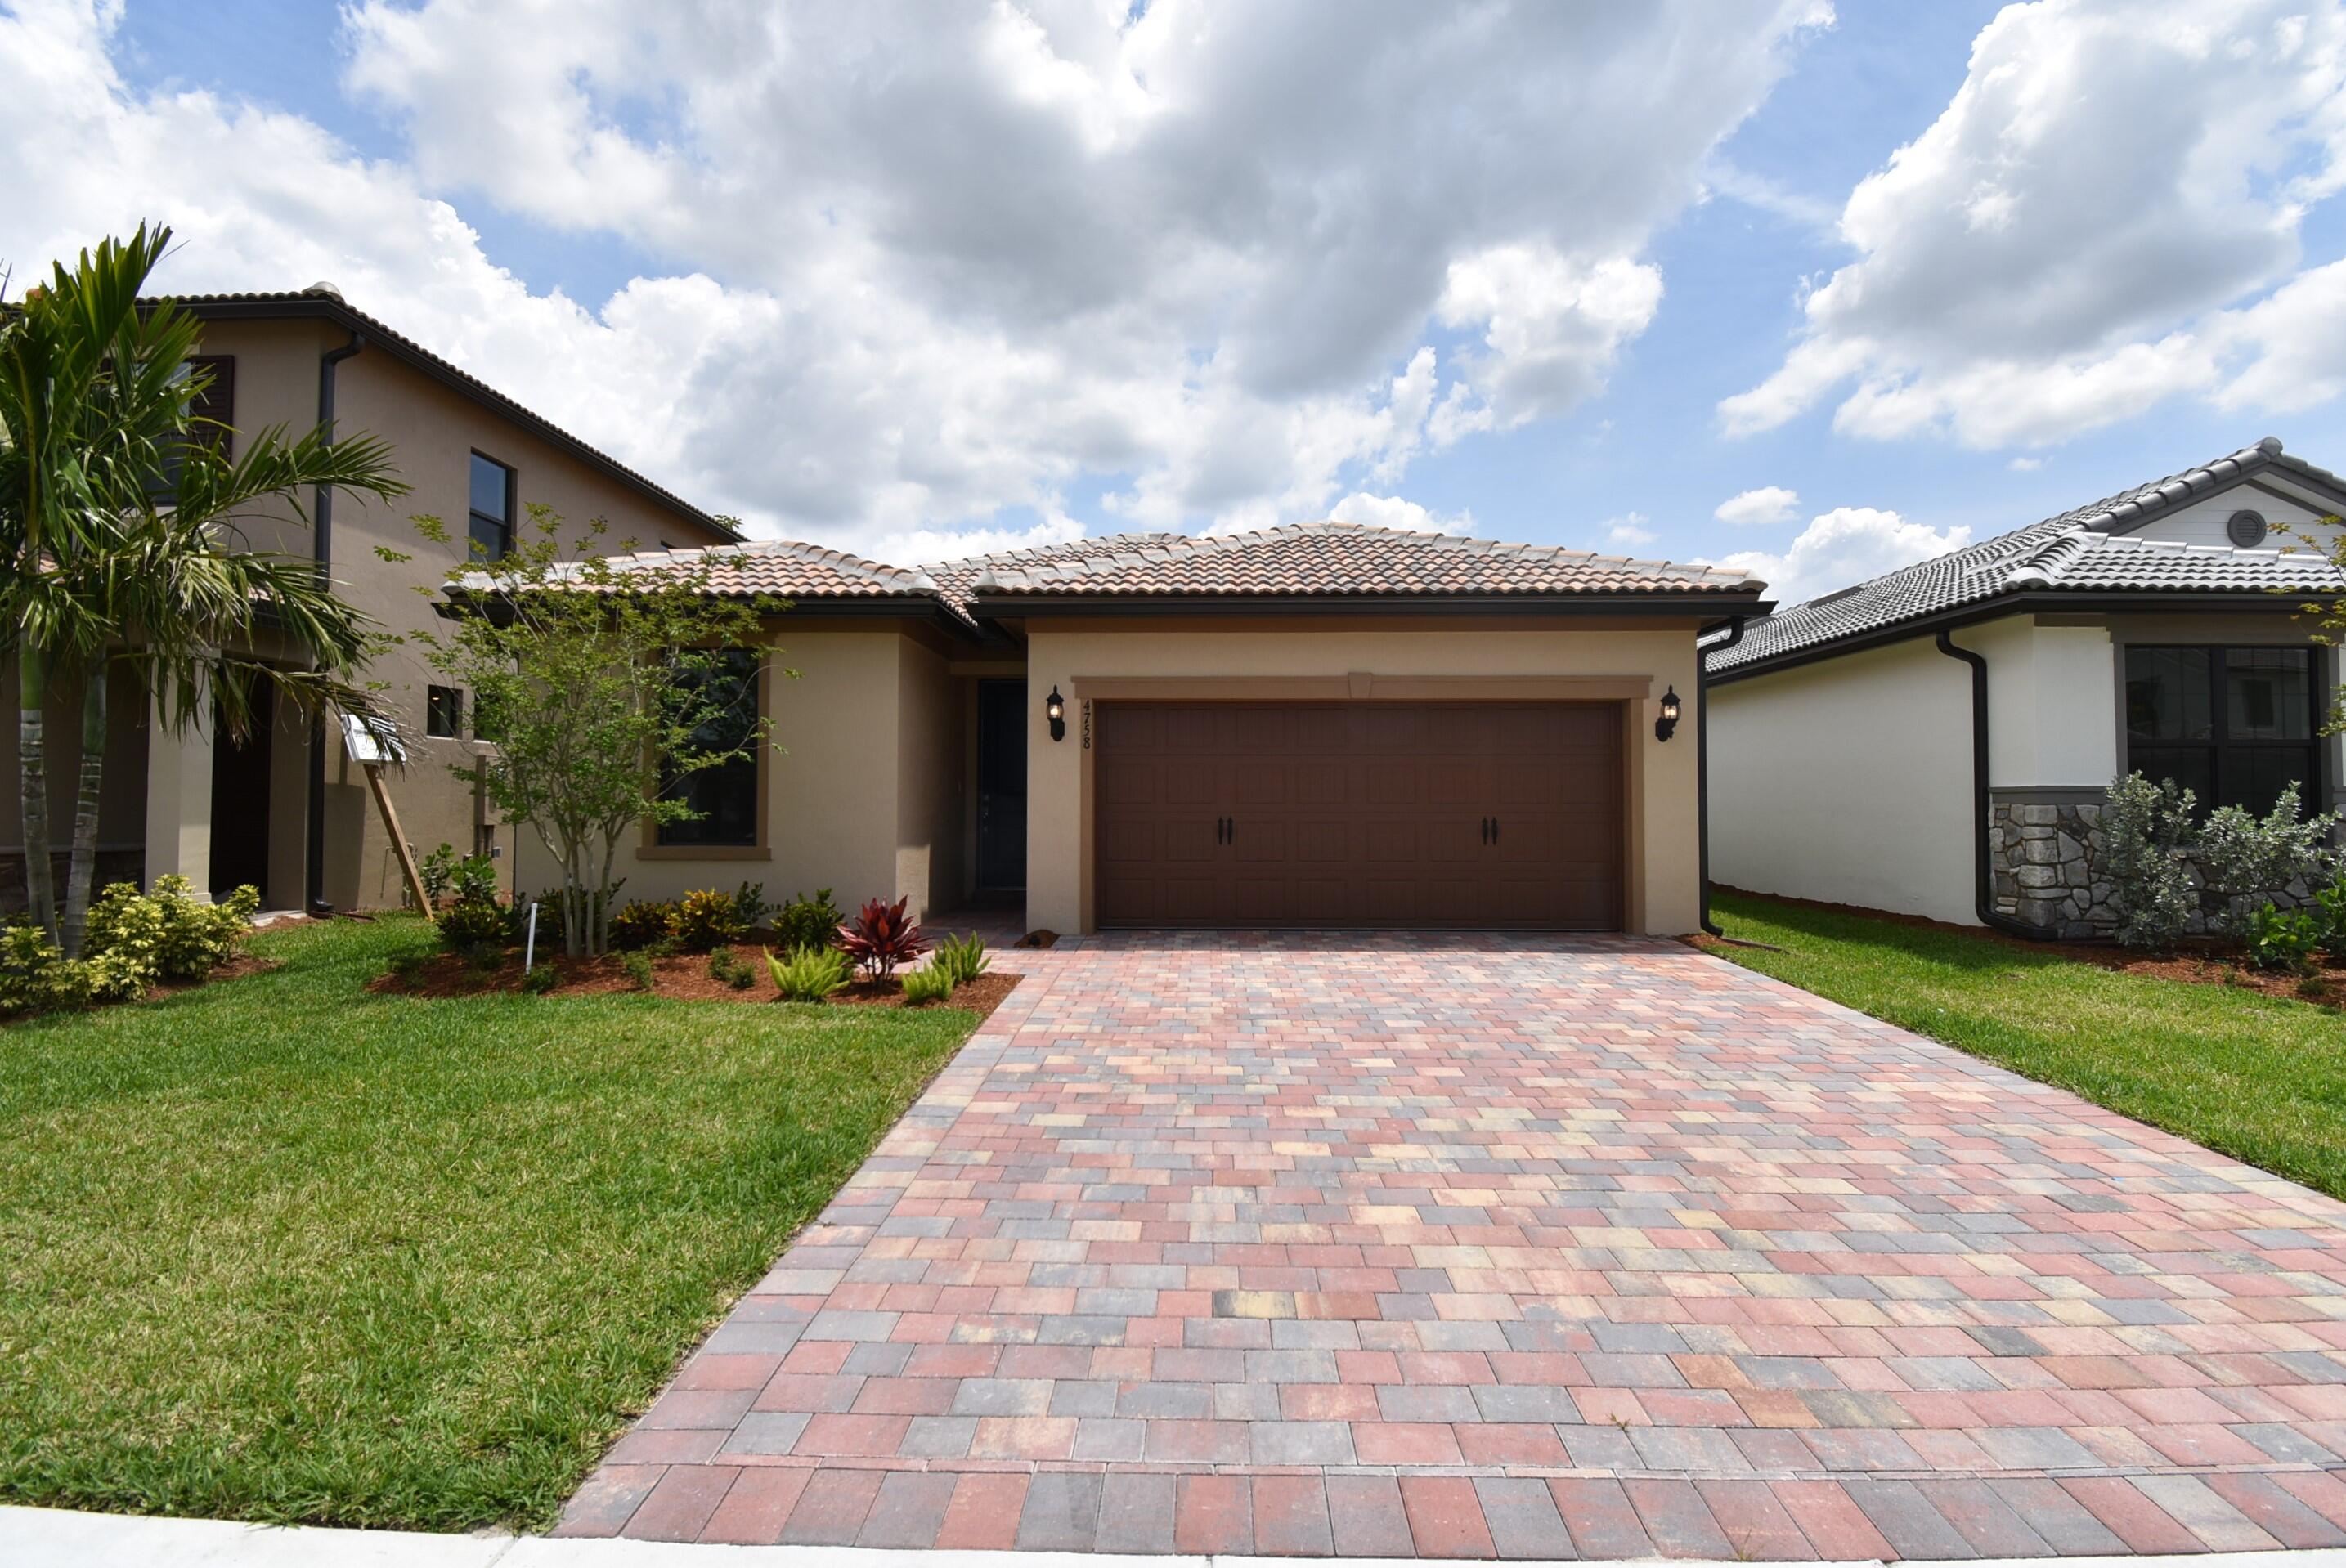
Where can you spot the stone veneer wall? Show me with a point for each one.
(2046, 862)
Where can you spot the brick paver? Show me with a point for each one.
(1504, 1246)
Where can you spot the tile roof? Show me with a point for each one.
(322, 300)
(786, 568)
(1330, 557)
(2084, 549)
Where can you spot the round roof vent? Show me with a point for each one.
(321, 287)
(2246, 529)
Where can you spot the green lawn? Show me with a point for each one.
(2259, 1078)
(279, 1249)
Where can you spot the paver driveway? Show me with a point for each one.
(1521, 1247)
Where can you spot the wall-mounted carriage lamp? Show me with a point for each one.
(1055, 708)
(1667, 724)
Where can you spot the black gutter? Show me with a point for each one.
(1983, 862)
(1702, 756)
(2071, 601)
(322, 520)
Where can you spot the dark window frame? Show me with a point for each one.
(698, 837)
(2220, 745)
(476, 520)
(443, 712)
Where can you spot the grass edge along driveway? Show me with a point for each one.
(279, 1249)
(2259, 1078)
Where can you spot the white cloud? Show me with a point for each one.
(911, 268)
(1629, 531)
(1767, 504)
(1846, 546)
(2051, 256)
(2025, 464)
(1394, 512)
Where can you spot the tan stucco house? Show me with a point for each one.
(287, 814)
(1937, 741)
(1315, 725)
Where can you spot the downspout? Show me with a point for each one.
(1702, 761)
(321, 514)
(1983, 862)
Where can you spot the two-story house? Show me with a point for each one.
(287, 810)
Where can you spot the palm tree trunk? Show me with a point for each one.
(33, 787)
(81, 870)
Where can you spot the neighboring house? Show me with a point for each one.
(2155, 631)
(1320, 725)
(222, 814)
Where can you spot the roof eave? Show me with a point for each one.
(1713, 602)
(2232, 601)
(388, 339)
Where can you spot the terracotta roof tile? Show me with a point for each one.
(1347, 558)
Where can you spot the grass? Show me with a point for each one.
(280, 1249)
(2260, 1078)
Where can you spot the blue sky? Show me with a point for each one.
(1041, 273)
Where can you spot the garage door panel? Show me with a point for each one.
(1321, 843)
(1362, 814)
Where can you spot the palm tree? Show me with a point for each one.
(117, 522)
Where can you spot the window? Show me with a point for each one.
(2235, 726)
(443, 711)
(493, 508)
(726, 796)
(213, 412)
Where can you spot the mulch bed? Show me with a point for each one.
(2199, 960)
(681, 977)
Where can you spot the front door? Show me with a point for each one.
(1000, 785)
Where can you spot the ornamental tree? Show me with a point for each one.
(602, 684)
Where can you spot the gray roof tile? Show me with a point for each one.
(2085, 549)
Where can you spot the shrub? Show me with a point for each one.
(727, 969)
(638, 967)
(36, 976)
(926, 985)
(705, 919)
(641, 922)
(438, 870)
(2243, 857)
(881, 936)
(541, 980)
(808, 921)
(2329, 907)
(2283, 939)
(750, 903)
(166, 934)
(2145, 828)
(475, 880)
(962, 957)
(809, 975)
(469, 924)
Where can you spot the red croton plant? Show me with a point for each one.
(881, 936)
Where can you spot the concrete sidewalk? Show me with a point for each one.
(54, 1538)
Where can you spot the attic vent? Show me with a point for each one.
(2246, 529)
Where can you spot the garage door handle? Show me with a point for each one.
(1494, 829)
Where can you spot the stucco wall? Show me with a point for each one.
(2051, 719)
(1663, 853)
(863, 797)
(432, 432)
(931, 779)
(1848, 780)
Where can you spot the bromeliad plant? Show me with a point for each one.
(881, 936)
(962, 958)
(809, 975)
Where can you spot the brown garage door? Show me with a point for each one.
(1461, 814)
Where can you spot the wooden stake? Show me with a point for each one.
(398, 840)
